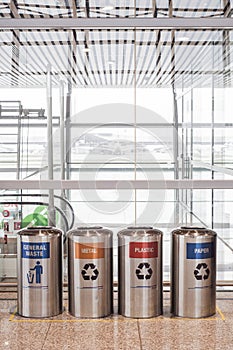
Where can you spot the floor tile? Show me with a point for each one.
(110, 334)
(22, 336)
(65, 332)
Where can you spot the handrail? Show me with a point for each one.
(204, 224)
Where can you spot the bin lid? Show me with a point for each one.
(133, 231)
(39, 231)
(194, 231)
(89, 231)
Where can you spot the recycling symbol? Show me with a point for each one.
(144, 271)
(201, 272)
(90, 272)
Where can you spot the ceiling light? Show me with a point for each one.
(183, 38)
(229, 66)
(108, 8)
(111, 63)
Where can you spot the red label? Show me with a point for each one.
(143, 249)
(6, 213)
(17, 225)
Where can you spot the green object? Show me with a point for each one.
(38, 218)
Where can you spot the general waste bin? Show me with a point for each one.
(140, 272)
(193, 271)
(40, 280)
(90, 275)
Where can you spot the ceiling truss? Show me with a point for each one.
(93, 43)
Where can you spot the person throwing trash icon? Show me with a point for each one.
(39, 271)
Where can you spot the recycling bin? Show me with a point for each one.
(193, 272)
(90, 272)
(40, 281)
(140, 272)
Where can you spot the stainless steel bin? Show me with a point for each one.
(140, 272)
(90, 272)
(193, 271)
(40, 280)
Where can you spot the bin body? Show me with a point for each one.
(39, 272)
(193, 272)
(140, 272)
(90, 272)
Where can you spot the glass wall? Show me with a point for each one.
(139, 104)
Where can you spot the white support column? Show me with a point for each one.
(51, 209)
(62, 149)
(62, 132)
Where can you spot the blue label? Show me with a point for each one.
(200, 250)
(35, 250)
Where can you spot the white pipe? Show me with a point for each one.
(62, 133)
(51, 209)
(62, 149)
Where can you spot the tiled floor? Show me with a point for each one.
(66, 332)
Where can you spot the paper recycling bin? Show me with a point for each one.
(193, 271)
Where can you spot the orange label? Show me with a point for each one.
(89, 251)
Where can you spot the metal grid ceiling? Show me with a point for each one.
(100, 58)
(112, 8)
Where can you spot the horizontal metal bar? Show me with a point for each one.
(92, 23)
(220, 283)
(118, 125)
(218, 169)
(8, 256)
(113, 184)
(155, 125)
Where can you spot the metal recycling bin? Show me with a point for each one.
(40, 278)
(90, 272)
(193, 271)
(140, 272)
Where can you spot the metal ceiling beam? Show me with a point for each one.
(16, 37)
(119, 184)
(226, 48)
(130, 23)
(155, 8)
(81, 41)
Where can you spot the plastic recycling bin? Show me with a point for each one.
(140, 272)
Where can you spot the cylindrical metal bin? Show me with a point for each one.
(140, 272)
(193, 271)
(90, 275)
(39, 272)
